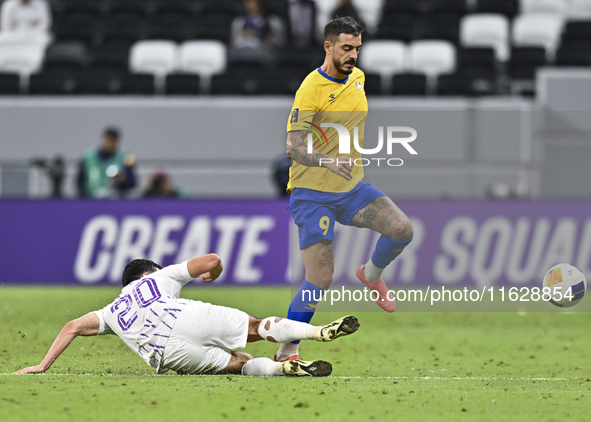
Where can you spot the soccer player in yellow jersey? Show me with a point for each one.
(327, 186)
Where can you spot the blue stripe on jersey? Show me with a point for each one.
(339, 81)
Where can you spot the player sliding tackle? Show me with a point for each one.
(192, 337)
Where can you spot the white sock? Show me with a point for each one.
(262, 367)
(287, 350)
(372, 273)
(283, 330)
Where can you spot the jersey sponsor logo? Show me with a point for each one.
(295, 115)
(359, 86)
(319, 133)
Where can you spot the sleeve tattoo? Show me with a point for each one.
(299, 149)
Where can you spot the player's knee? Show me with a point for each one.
(401, 230)
(322, 278)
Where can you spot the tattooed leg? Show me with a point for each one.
(383, 216)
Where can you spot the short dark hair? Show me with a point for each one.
(111, 132)
(342, 25)
(136, 269)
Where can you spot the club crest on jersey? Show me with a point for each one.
(332, 98)
(359, 86)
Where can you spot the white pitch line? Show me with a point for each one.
(338, 377)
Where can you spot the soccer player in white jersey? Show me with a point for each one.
(191, 337)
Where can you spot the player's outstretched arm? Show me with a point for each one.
(207, 267)
(297, 150)
(87, 325)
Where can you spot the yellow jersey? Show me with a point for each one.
(320, 100)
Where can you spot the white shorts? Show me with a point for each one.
(202, 337)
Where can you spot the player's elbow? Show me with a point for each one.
(213, 260)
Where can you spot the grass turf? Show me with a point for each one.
(406, 366)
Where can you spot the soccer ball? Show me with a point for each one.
(567, 285)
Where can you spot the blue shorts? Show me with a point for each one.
(315, 212)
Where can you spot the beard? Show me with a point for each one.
(339, 66)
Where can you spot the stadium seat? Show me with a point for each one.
(175, 9)
(212, 31)
(573, 56)
(178, 32)
(508, 8)
(579, 9)
(97, 83)
(456, 8)
(431, 58)
(276, 84)
(205, 58)
(129, 11)
(538, 30)
(397, 26)
(477, 62)
(52, 83)
(158, 58)
(369, 12)
(409, 84)
(555, 7)
(122, 36)
(458, 84)
(9, 84)
(219, 11)
(576, 33)
(67, 31)
(373, 84)
(182, 84)
(412, 7)
(23, 58)
(302, 61)
(107, 83)
(454, 85)
(234, 84)
(385, 58)
(486, 30)
(81, 10)
(65, 55)
(522, 66)
(137, 84)
(109, 58)
(324, 8)
(442, 26)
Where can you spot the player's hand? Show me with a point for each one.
(206, 277)
(37, 369)
(341, 166)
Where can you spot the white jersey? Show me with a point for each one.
(145, 312)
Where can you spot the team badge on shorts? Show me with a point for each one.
(359, 86)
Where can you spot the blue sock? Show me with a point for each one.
(387, 250)
(303, 304)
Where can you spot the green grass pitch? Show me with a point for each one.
(404, 366)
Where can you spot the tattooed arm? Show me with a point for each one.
(297, 150)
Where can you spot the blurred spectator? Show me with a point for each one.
(345, 8)
(255, 34)
(302, 23)
(25, 20)
(159, 186)
(56, 171)
(281, 175)
(106, 172)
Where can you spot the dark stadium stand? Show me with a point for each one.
(410, 84)
(98, 34)
(182, 84)
(9, 84)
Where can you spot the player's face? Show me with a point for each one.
(345, 51)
